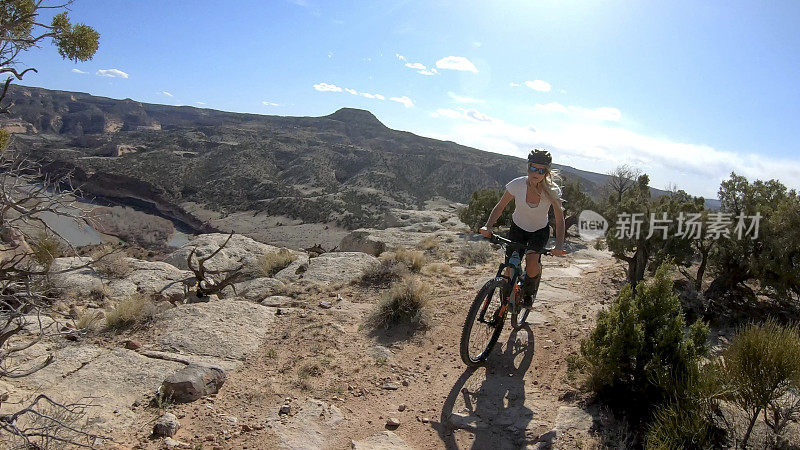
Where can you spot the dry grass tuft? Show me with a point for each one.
(113, 265)
(406, 303)
(274, 262)
(413, 259)
(475, 253)
(136, 309)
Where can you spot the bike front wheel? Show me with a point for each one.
(484, 323)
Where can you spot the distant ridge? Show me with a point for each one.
(345, 167)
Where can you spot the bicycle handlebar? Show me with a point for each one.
(503, 241)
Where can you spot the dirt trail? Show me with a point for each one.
(326, 354)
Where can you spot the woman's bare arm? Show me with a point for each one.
(498, 209)
(560, 225)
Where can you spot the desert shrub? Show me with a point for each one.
(385, 273)
(481, 203)
(762, 364)
(429, 244)
(639, 351)
(600, 244)
(406, 303)
(310, 370)
(136, 309)
(475, 253)
(46, 248)
(274, 262)
(413, 259)
(438, 268)
(113, 265)
(87, 320)
(686, 421)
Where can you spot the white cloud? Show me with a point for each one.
(600, 148)
(431, 71)
(352, 91)
(449, 113)
(474, 114)
(325, 87)
(463, 99)
(456, 63)
(400, 57)
(603, 113)
(416, 65)
(79, 71)
(477, 44)
(407, 102)
(380, 97)
(368, 95)
(266, 103)
(539, 85)
(113, 73)
(200, 103)
(512, 84)
(166, 93)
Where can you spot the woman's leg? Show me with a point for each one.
(532, 266)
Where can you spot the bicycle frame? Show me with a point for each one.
(516, 274)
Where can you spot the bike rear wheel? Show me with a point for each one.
(483, 324)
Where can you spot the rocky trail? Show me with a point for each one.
(301, 369)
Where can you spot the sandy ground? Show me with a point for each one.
(326, 354)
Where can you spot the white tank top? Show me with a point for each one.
(527, 217)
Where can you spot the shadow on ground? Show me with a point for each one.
(489, 401)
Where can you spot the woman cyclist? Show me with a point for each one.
(533, 195)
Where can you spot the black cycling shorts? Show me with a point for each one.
(537, 239)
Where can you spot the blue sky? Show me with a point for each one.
(687, 91)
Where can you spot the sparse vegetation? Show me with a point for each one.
(46, 248)
(406, 303)
(383, 274)
(310, 370)
(113, 265)
(762, 365)
(272, 263)
(414, 260)
(87, 320)
(136, 309)
(475, 253)
(437, 268)
(429, 244)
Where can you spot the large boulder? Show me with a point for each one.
(225, 330)
(362, 241)
(334, 267)
(152, 277)
(239, 251)
(73, 275)
(256, 289)
(192, 382)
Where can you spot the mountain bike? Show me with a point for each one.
(495, 299)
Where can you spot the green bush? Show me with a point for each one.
(762, 364)
(475, 214)
(639, 348)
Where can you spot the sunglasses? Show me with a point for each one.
(539, 170)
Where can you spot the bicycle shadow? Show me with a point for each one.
(491, 408)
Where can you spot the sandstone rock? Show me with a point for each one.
(192, 382)
(337, 267)
(308, 428)
(362, 241)
(277, 301)
(132, 344)
(380, 352)
(381, 441)
(240, 250)
(166, 425)
(570, 417)
(65, 277)
(226, 329)
(151, 277)
(257, 289)
(392, 422)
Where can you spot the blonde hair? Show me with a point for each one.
(551, 186)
